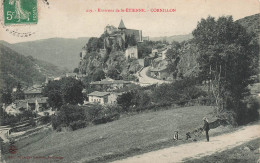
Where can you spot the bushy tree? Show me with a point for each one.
(72, 91)
(64, 91)
(6, 96)
(18, 94)
(113, 73)
(180, 91)
(173, 58)
(126, 99)
(145, 48)
(227, 58)
(98, 75)
(53, 91)
(76, 70)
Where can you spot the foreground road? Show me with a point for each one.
(143, 78)
(197, 149)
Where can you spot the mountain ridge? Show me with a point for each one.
(62, 52)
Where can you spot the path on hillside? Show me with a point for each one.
(143, 78)
(3, 132)
(197, 149)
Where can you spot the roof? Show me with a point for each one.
(40, 100)
(21, 103)
(121, 25)
(99, 94)
(111, 81)
(32, 92)
(71, 74)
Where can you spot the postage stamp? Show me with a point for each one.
(20, 12)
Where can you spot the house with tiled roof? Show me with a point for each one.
(37, 104)
(160, 72)
(103, 97)
(110, 84)
(98, 97)
(33, 92)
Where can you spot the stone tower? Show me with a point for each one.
(122, 28)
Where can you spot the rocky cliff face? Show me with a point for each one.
(188, 65)
(107, 53)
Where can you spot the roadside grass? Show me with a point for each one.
(127, 136)
(245, 153)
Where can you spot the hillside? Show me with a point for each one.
(178, 38)
(251, 23)
(127, 136)
(15, 67)
(61, 52)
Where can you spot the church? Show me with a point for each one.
(129, 32)
(123, 32)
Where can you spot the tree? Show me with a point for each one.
(6, 96)
(227, 58)
(64, 91)
(126, 99)
(98, 75)
(76, 70)
(113, 73)
(53, 91)
(72, 91)
(18, 94)
(173, 58)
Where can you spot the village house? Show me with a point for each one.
(32, 93)
(103, 97)
(38, 104)
(73, 75)
(112, 98)
(164, 54)
(83, 53)
(155, 52)
(131, 52)
(160, 72)
(98, 97)
(109, 84)
(34, 104)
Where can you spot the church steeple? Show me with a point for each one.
(121, 25)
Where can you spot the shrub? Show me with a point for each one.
(98, 114)
(54, 122)
(45, 119)
(77, 125)
(32, 122)
(248, 111)
(67, 115)
(126, 100)
(92, 111)
(181, 92)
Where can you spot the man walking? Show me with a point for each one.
(206, 127)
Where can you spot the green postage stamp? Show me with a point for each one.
(20, 11)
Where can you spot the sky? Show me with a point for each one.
(69, 19)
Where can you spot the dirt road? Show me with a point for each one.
(143, 78)
(197, 149)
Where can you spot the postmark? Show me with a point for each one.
(12, 148)
(20, 12)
